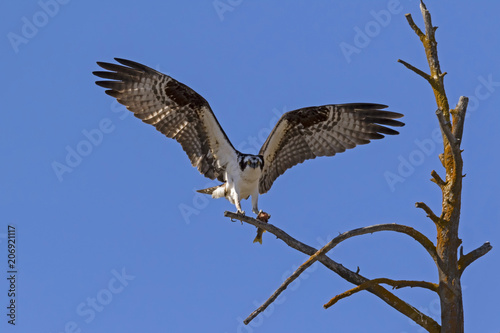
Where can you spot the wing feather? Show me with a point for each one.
(174, 109)
(325, 130)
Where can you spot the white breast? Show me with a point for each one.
(249, 182)
(245, 182)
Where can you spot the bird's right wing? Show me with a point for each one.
(174, 109)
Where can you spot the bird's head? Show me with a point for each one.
(252, 161)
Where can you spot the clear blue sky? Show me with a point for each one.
(104, 247)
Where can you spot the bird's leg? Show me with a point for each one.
(237, 203)
(238, 207)
(255, 205)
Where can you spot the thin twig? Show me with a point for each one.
(430, 213)
(396, 284)
(472, 256)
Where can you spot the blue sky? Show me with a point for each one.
(105, 247)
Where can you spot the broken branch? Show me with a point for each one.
(458, 116)
(437, 179)
(430, 213)
(416, 70)
(415, 28)
(469, 258)
(429, 29)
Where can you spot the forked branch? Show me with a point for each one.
(428, 39)
(423, 240)
(421, 319)
(472, 256)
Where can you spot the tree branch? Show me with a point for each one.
(396, 284)
(472, 256)
(421, 319)
(458, 115)
(416, 70)
(430, 45)
(330, 245)
(446, 129)
(286, 283)
(429, 29)
(415, 234)
(415, 28)
(430, 213)
(437, 179)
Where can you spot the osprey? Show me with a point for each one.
(180, 113)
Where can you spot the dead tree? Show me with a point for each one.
(450, 262)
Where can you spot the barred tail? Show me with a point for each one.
(216, 191)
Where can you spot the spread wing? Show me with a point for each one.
(321, 131)
(174, 109)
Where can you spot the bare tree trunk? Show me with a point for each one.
(450, 290)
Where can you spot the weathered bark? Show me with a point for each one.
(450, 290)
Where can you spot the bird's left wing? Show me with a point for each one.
(174, 109)
(321, 131)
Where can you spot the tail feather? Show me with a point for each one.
(219, 191)
(209, 190)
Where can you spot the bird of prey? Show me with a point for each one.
(182, 114)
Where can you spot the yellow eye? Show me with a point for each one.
(248, 162)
